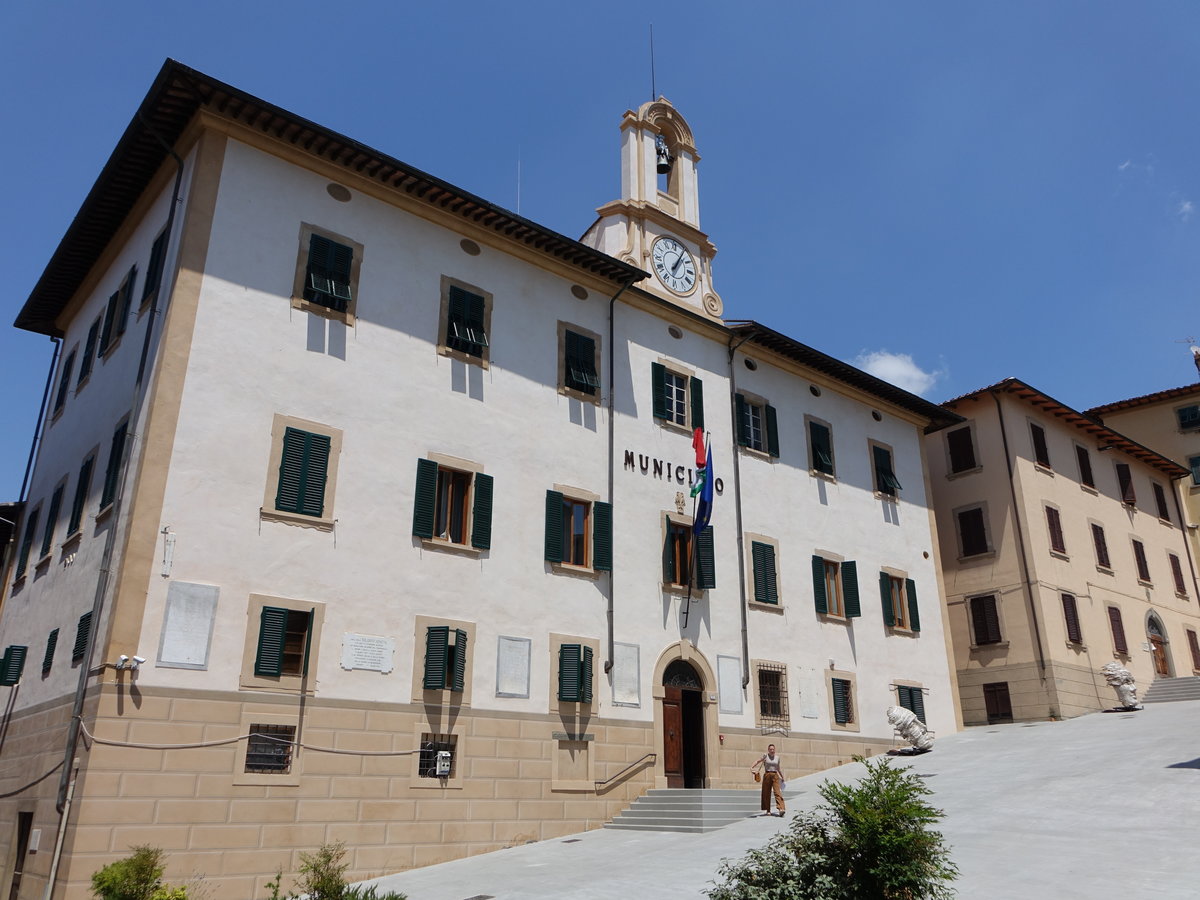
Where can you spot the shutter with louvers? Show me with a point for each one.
(772, 432)
(154, 269)
(83, 632)
(425, 501)
(481, 513)
(52, 519)
(818, 573)
(27, 542)
(459, 675)
(1177, 574)
(885, 595)
(272, 631)
(81, 491)
(113, 472)
(1139, 556)
(13, 664)
(106, 330)
(1118, 630)
(1054, 522)
(658, 381)
(48, 658)
(669, 555)
(602, 545)
(581, 363)
(1040, 452)
(64, 382)
(1194, 646)
(1101, 546)
(1160, 500)
(911, 698)
(985, 620)
(822, 447)
(914, 614)
(89, 352)
(1125, 484)
(885, 476)
(569, 658)
(962, 450)
(1071, 615)
(585, 676)
(1085, 466)
(706, 566)
(437, 652)
(696, 393)
(766, 588)
(329, 268)
(554, 524)
(743, 420)
(126, 301)
(841, 701)
(303, 472)
(850, 597)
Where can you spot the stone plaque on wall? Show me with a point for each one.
(187, 625)
(512, 667)
(626, 673)
(729, 679)
(811, 685)
(367, 651)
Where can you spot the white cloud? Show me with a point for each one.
(1185, 210)
(898, 369)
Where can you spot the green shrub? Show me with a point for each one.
(137, 877)
(868, 841)
(322, 877)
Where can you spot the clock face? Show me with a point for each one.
(674, 265)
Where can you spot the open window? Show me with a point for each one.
(453, 504)
(578, 531)
(835, 587)
(327, 274)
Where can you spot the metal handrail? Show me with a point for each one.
(628, 768)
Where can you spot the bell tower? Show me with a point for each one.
(656, 223)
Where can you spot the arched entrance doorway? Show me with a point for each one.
(683, 726)
(1158, 647)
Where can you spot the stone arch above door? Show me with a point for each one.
(685, 651)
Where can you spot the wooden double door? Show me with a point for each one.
(683, 737)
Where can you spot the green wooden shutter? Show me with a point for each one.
(329, 268)
(885, 597)
(569, 659)
(585, 676)
(460, 660)
(658, 380)
(64, 382)
(743, 426)
(822, 447)
(481, 514)
(554, 523)
(602, 546)
(27, 542)
(106, 330)
(914, 615)
(580, 363)
(706, 565)
(668, 556)
(89, 352)
(81, 491)
(772, 432)
(426, 498)
(126, 301)
(696, 393)
(819, 596)
(918, 702)
(113, 472)
(12, 664)
(765, 582)
(83, 631)
(154, 268)
(841, 701)
(272, 627)
(437, 652)
(885, 475)
(303, 472)
(52, 520)
(48, 658)
(850, 589)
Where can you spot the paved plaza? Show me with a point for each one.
(1106, 805)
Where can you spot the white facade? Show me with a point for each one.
(241, 358)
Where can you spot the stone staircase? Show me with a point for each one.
(1165, 690)
(689, 810)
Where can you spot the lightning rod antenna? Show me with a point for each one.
(653, 87)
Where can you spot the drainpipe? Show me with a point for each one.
(737, 508)
(612, 458)
(1012, 487)
(1187, 538)
(106, 561)
(40, 427)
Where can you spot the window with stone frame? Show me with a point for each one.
(772, 695)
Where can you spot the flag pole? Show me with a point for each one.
(693, 541)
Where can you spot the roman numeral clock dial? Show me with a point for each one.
(673, 265)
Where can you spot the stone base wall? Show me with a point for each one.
(1067, 691)
(517, 778)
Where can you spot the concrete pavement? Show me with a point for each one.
(1106, 805)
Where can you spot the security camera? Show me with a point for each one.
(122, 661)
(137, 661)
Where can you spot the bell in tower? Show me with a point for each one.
(655, 225)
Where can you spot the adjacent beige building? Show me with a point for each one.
(1168, 421)
(1062, 549)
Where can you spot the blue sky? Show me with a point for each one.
(946, 193)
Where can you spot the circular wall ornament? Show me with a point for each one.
(675, 331)
(713, 305)
(338, 192)
(578, 292)
(469, 247)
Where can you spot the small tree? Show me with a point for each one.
(137, 877)
(869, 841)
(322, 877)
